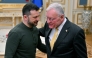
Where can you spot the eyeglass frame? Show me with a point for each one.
(51, 19)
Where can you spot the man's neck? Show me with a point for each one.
(27, 24)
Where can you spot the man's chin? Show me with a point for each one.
(51, 27)
(35, 24)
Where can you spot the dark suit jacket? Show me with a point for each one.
(69, 44)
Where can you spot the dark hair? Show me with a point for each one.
(28, 7)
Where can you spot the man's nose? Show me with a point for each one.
(38, 19)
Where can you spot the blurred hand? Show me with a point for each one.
(6, 35)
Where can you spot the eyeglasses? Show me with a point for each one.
(51, 19)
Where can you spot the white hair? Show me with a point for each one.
(58, 7)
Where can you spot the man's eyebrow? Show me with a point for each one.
(36, 16)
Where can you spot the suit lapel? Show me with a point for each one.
(47, 39)
(63, 33)
(48, 32)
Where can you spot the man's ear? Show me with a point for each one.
(25, 17)
(62, 16)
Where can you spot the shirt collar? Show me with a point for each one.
(61, 26)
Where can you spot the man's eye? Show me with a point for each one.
(35, 17)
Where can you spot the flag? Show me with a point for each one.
(39, 3)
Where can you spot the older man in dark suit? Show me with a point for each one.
(69, 41)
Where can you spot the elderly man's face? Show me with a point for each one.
(53, 19)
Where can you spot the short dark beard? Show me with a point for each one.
(30, 24)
